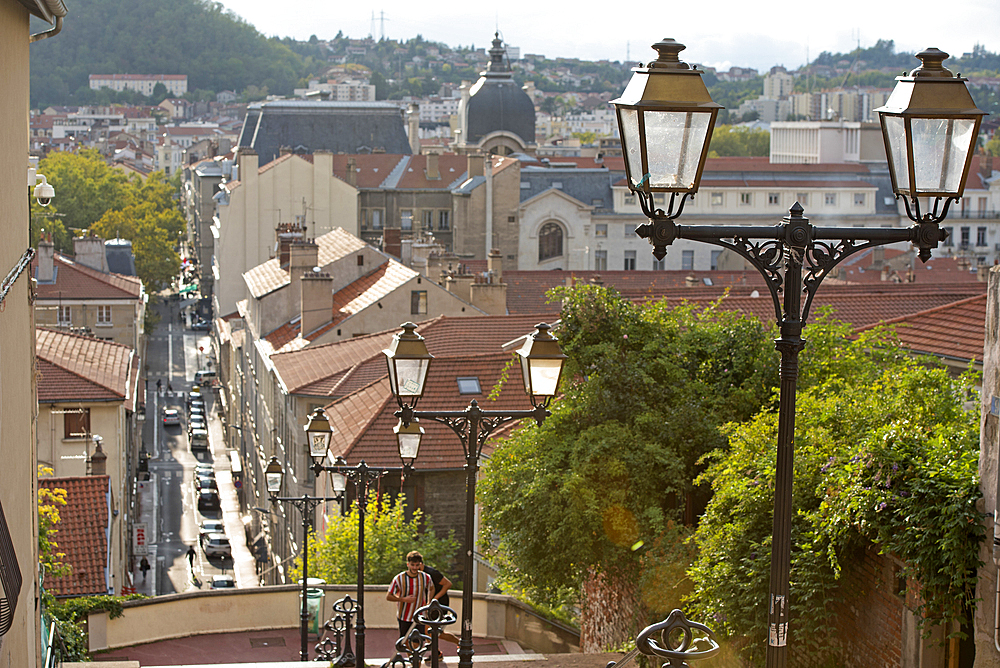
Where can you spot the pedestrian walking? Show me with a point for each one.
(410, 590)
(191, 555)
(144, 567)
(170, 388)
(159, 385)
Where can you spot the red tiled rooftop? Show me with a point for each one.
(82, 535)
(75, 281)
(75, 367)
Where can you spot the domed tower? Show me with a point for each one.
(495, 115)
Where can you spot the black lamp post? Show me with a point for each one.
(929, 125)
(273, 477)
(319, 434)
(409, 361)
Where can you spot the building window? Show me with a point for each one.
(716, 254)
(802, 198)
(950, 239)
(629, 260)
(376, 219)
(418, 302)
(469, 385)
(773, 198)
(629, 231)
(406, 219)
(965, 237)
(746, 198)
(716, 199)
(427, 217)
(980, 236)
(601, 260)
(659, 265)
(444, 220)
(630, 200)
(76, 424)
(104, 310)
(659, 198)
(830, 199)
(363, 218)
(63, 316)
(859, 199)
(687, 259)
(601, 230)
(550, 242)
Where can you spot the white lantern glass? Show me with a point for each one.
(273, 481)
(408, 438)
(674, 141)
(544, 375)
(940, 149)
(318, 444)
(339, 481)
(895, 133)
(410, 375)
(632, 145)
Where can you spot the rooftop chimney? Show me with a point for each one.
(316, 301)
(89, 252)
(352, 171)
(433, 170)
(494, 265)
(475, 165)
(392, 242)
(98, 461)
(46, 255)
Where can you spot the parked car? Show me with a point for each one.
(197, 403)
(201, 325)
(204, 482)
(208, 498)
(204, 377)
(171, 417)
(196, 422)
(223, 582)
(204, 470)
(198, 439)
(209, 527)
(196, 410)
(217, 545)
(195, 395)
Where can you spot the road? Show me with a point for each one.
(173, 357)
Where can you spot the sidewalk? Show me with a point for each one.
(148, 502)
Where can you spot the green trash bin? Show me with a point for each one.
(314, 603)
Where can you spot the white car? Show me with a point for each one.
(209, 527)
(217, 545)
(223, 582)
(171, 417)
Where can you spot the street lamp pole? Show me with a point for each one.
(306, 505)
(408, 360)
(666, 117)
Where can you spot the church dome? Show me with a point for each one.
(497, 104)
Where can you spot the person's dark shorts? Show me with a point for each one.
(405, 626)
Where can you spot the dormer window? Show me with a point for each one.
(469, 385)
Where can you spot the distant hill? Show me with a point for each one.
(214, 47)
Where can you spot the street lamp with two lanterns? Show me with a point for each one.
(666, 117)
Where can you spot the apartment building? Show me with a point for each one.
(176, 84)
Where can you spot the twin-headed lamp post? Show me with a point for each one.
(666, 117)
(541, 366)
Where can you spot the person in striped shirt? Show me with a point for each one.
(410, 590)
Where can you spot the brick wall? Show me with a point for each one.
(442, 497)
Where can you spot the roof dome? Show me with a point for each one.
(497, 103)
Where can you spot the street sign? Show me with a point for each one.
(139, 547)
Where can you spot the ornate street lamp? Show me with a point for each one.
(666, 116)
(408, 362)
(319, 434)
(541, 365)
(929, 126)
(273, 478)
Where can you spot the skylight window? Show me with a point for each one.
(469, 385)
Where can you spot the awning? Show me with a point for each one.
(188, 288)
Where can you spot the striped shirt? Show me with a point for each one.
(405, 585)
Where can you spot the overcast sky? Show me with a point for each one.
(720, 33)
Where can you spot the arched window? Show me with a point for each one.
(550, 241)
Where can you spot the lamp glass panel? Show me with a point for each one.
(545, 376)
(339, 482)
(410, 374)
(409, 445)
(273, 482)
(632, 144)
(318, 444)
(940, 148)
(895, 132)
(526, 373)
(674, 142)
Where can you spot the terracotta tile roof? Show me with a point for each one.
(75, 367)
(763, 164)
(954, 331)
(368, 289)
(372, 169)
(937, 270)
(775, 183)
(75, 281)
(440, 448)
(337, 369)
(451, 167)
(270, 276)
(82, 535)
(276, 161)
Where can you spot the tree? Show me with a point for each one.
(885, 454)
(388, 537)
(86, 188)
(49, 501)
(734, 140)
(609, 477)
(153, 233)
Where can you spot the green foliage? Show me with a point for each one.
(91, 196)
(388, 537)
(610, 470)
(733, 140)
(214, 47)
(885, 454)
(49, 501)
(70, 616)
